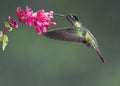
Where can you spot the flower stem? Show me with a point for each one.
(5, 30)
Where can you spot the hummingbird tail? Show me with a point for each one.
(100, 54)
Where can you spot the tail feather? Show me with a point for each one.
(100, 54)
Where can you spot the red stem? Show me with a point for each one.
(4, 31)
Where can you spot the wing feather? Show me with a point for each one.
(68, 34)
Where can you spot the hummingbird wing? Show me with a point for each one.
(67, 34)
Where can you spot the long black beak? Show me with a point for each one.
(59, 14)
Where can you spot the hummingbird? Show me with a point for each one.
(77, 33)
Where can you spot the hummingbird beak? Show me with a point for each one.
(59, 14)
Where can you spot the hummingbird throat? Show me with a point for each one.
(77, 24)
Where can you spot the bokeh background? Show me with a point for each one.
(32, 60)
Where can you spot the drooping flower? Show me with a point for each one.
(40, 19)
(10, 25)
(13, 23)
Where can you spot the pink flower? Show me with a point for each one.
(25, 17)
(40, 19)
(13, 23)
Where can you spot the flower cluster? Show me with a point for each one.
(8, 27)
(40, 19)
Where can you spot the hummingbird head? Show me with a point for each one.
(72, 18)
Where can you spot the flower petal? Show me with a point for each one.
(13, 23)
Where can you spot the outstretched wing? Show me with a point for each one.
(68, 34)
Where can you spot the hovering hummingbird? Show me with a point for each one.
(77, 33)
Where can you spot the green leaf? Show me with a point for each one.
(4, 40)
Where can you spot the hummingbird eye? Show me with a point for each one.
(74, 17)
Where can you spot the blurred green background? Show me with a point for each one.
(32, 60)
